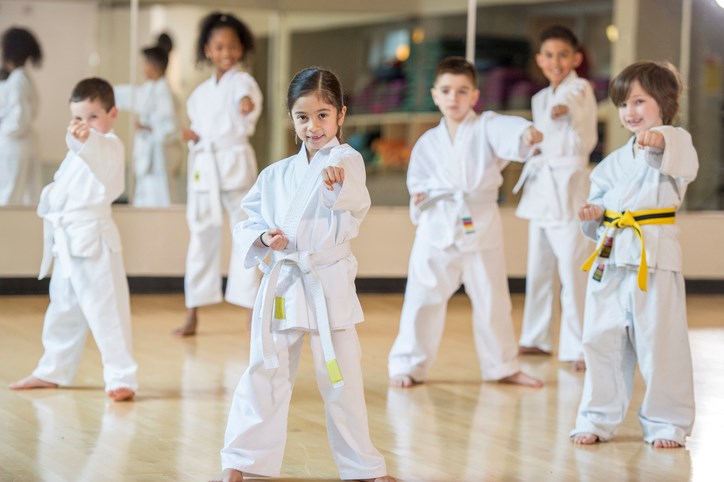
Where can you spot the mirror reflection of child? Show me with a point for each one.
(20, 179)
(156, 146)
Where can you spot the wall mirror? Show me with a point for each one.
(384, 53)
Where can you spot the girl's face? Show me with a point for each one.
(150, 71)
(639, 112)
(315, 122)
(224, 49)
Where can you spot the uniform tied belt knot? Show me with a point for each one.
(304, 265)
(627, 219)
(55, 237)
(633, 220)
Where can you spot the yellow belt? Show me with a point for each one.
(634, 220)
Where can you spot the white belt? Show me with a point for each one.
(530, 169)
(305, 263)
(463, 198)
(54, 235)
(441, 195)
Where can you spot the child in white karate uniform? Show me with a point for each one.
(303, 212)
(88, 288)
(635, 299)
(453, 179)
(222, 165)
(20, 180)
(555, 184)
(157, 144)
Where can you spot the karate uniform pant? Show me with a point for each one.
(624, 324)
(433, 277)
(202, 282)
(152, 190)
(96, 297)
(257, 428)
(555, 250)
(19, 181)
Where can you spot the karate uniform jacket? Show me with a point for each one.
(223, 159)
(76, 206)
(468, 173)
(637, 179)
(18, 110)
(555, 180)
(290, 195)
(158, 150)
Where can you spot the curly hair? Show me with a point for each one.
(217, 20)
(18, 46)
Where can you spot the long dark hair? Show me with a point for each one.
(321, 82)
(158, 54)
(19, 45)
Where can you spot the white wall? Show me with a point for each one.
(155, 241)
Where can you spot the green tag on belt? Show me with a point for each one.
(279, 313)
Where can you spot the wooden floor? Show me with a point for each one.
(453, 428)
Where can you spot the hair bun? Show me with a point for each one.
(165, 42)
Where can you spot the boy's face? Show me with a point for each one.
(94, 115)
(556, 59)
(455, 95)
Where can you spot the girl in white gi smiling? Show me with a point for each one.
(19, 182)
(304, 210)
(222, 165)
(635, 299)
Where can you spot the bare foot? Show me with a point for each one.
(532, 350)
(666, 444)
(229, 475)
(121, 394)
(584, 438)
(403, 381)
(189, 328)
(520, 378)
(31, 382)
(578, 366)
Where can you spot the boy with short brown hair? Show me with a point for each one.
(88, 288)
(453, 179)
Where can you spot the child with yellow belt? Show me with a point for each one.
(635, 300)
